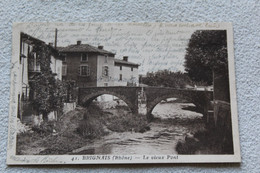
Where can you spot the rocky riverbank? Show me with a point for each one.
(214, 141)
(177, 128)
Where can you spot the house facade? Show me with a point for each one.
(90, 66)
(126, 73)
(87, 65)
(32, 51)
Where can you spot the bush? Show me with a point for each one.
(95, 121)
(128, 122)
(46, 127)
(91, 127)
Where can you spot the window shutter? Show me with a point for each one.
(103, 71)
(64, 70)
(79, 70)
(28, 50)
(88, 71)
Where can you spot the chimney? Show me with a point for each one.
(79, 42)
(125, 58)
(51, 44)
(100, 47)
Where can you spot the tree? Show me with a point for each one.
(47, 92)
(206, 52)
(166, 78)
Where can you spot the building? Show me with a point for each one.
(126, 73)
(88, 65)
(32, 51)
(91, 66)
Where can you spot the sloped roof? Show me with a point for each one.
(30, 39)
(83, 48)
(119, 61)
(34, 41)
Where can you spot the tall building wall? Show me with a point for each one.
(128, 76)
(73, 63)
(105, 70)
(56, 65)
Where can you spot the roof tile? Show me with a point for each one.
(83, 48)
(125, 62)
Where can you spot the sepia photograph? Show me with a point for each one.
(105, 93)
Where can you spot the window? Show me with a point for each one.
(38, 67)
(132, 68)
(105, 84)
(29, 49)
(34, 62)
(31, 62)
(64, 70)
(120, 77)
(84, 57)
(105, 71)
(84, 70)
(25, 93)
(120, 67)
(24, 51)
(106, 58)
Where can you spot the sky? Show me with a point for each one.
(155, 46)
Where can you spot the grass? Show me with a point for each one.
(128, 122)
(95, 119)
(75, 129)
(63, 142)
(91, 128)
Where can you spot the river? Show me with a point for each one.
(172, 122)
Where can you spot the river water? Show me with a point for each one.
(172, 122)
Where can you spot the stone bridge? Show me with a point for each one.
(143, 99)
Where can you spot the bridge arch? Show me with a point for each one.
(87, 99)
(155, 95)
(156, 101)
(150, 95)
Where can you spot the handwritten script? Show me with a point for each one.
(155, 46)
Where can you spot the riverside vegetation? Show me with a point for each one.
(76, 128)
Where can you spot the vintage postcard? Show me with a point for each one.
(109, 93)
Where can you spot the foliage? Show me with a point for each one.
(166, 78)
(71, 93)
(47, 91)
(91, 129)
(91, 126)
(97, 123)
(206, 52)
(128, 122)
(74, 130)
(45, 128)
